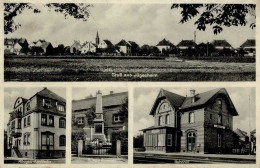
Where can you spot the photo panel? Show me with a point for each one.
(34, 125)
(194, 125)
(149, 42)
(99, 125)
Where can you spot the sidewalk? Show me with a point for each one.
(33, 161)
(102, 159)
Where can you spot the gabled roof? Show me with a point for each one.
(202, 98)
(240, 133)
(76, 43)
(164, 42)
(107, 100)
(175, 100)
(187, 43)
(123, 43)
(185, 103)
(49, 94)
(44, 45)
(248, 43)
(253, 132)
(205, 97)
(87, 42)
(108, 42)
(8, 41)
(220, 43)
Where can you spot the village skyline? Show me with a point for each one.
(114, 24)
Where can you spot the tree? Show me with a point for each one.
(60, 49)
(91, 115)
(11, 10)
(217, 15)
(139, 141)
(123, 111)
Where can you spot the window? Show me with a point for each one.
(169, 139)
(160, 120)
(191, 117)
(167, 118)
(19, 123)
(44, 119)
(219, 140)
(46, 103)
(24, 122)
(99, 128)
(13, 124)
(210, 116)
(26, 138)
(60, 108)
(81, 120)
(62, 123)
(47, 140)
(28, 106)
(219, 119)
(117, 118)
(51, 120)
(62, 140)
(29, 120)
(220, 104)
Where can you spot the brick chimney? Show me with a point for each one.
(192, 95)
(99, 108)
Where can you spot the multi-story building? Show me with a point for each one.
(37, 126)
(107, 120)
(200, 123)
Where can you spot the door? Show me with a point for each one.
(191, 141)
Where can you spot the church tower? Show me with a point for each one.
(97, 39)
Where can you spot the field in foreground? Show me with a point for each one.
(33, 69)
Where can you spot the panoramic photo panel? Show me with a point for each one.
(194, 125)
(34, 125)
(99, 126)
(129, 42)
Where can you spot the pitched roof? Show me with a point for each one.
(108, 42)
(248, 43)
(107, 100)
(8, 41)
(164, 42)
(123, 43)
(202, 98)
(184, 103)
(187, 43)
(157, 127)
(45, 45)
(220, 43)
(175, 100)
(49, 94)
(240, 133)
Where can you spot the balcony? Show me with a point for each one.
(16, 132)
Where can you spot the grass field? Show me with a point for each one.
(33, 69)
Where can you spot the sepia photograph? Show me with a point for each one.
(129, 42)
(99, 126)
(34, 125)
(195, 125)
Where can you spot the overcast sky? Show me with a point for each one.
(145, 97)
(11, 94)
(142, 23)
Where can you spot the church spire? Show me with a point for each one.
(97, 39)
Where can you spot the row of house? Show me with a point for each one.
(124, 47)
(20, 46)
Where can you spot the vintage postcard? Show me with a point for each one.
(116, 83)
